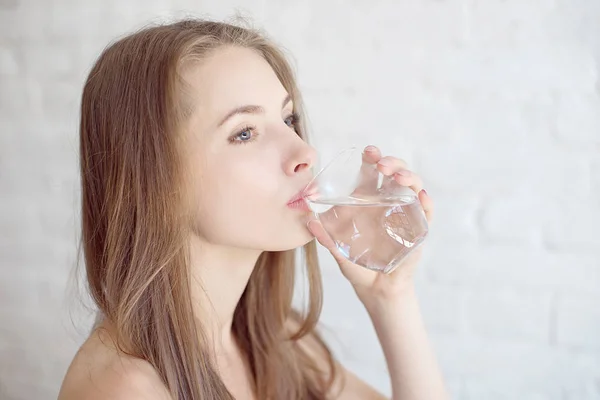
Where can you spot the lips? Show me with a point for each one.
(299, 204)
(299, 196)
(298, 201)
(306, 191)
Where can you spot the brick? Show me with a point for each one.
(13, 98)
(574, 227)
(578, 117)
(439, 23)
(509, 315)
(455, 387)
(540, 370)
(49, 60)
(578, 321)
(479, 166)
(454, 218)
(9, 4)
(587, 390)
(515, 217)
(595, 181)
(506, 266)
(88, 19)
(500, 22)
(61, 98)
(8, 62)
(25, 23)
(495, 390)
(443, 307)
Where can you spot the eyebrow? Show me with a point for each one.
(251, 109)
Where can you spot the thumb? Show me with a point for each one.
(316, 228)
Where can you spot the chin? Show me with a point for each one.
(291, 241)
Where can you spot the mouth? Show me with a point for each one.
(299, 204)
(298, 201)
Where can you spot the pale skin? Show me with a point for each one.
(262, 175)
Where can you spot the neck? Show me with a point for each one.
(219, 276)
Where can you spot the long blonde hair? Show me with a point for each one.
(134, 222)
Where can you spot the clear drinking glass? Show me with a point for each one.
(374, 221)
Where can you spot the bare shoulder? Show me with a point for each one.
(99, 371)
(346, 385)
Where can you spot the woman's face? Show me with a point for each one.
(246, 166)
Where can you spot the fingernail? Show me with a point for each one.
(424, 191)
(370, 148)
(385, 162)
(404, 172)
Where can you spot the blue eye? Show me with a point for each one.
(248, 133)
(292, 120)
(244, 135)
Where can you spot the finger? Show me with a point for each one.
(316, 228)
(408, 178)
(371, 155)
(368, 171)
(388, 165)
(427, 204)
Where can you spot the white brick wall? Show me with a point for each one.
(496, 103)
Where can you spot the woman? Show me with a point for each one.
(192, 146)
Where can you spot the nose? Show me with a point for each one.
(302, 159)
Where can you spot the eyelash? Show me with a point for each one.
(252, 128)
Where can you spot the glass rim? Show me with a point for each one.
(334, 159)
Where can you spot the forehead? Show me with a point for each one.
(232, 77)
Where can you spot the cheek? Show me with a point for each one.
(236, 205)
(243, 183)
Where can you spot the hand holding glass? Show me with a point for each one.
(374, 221)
